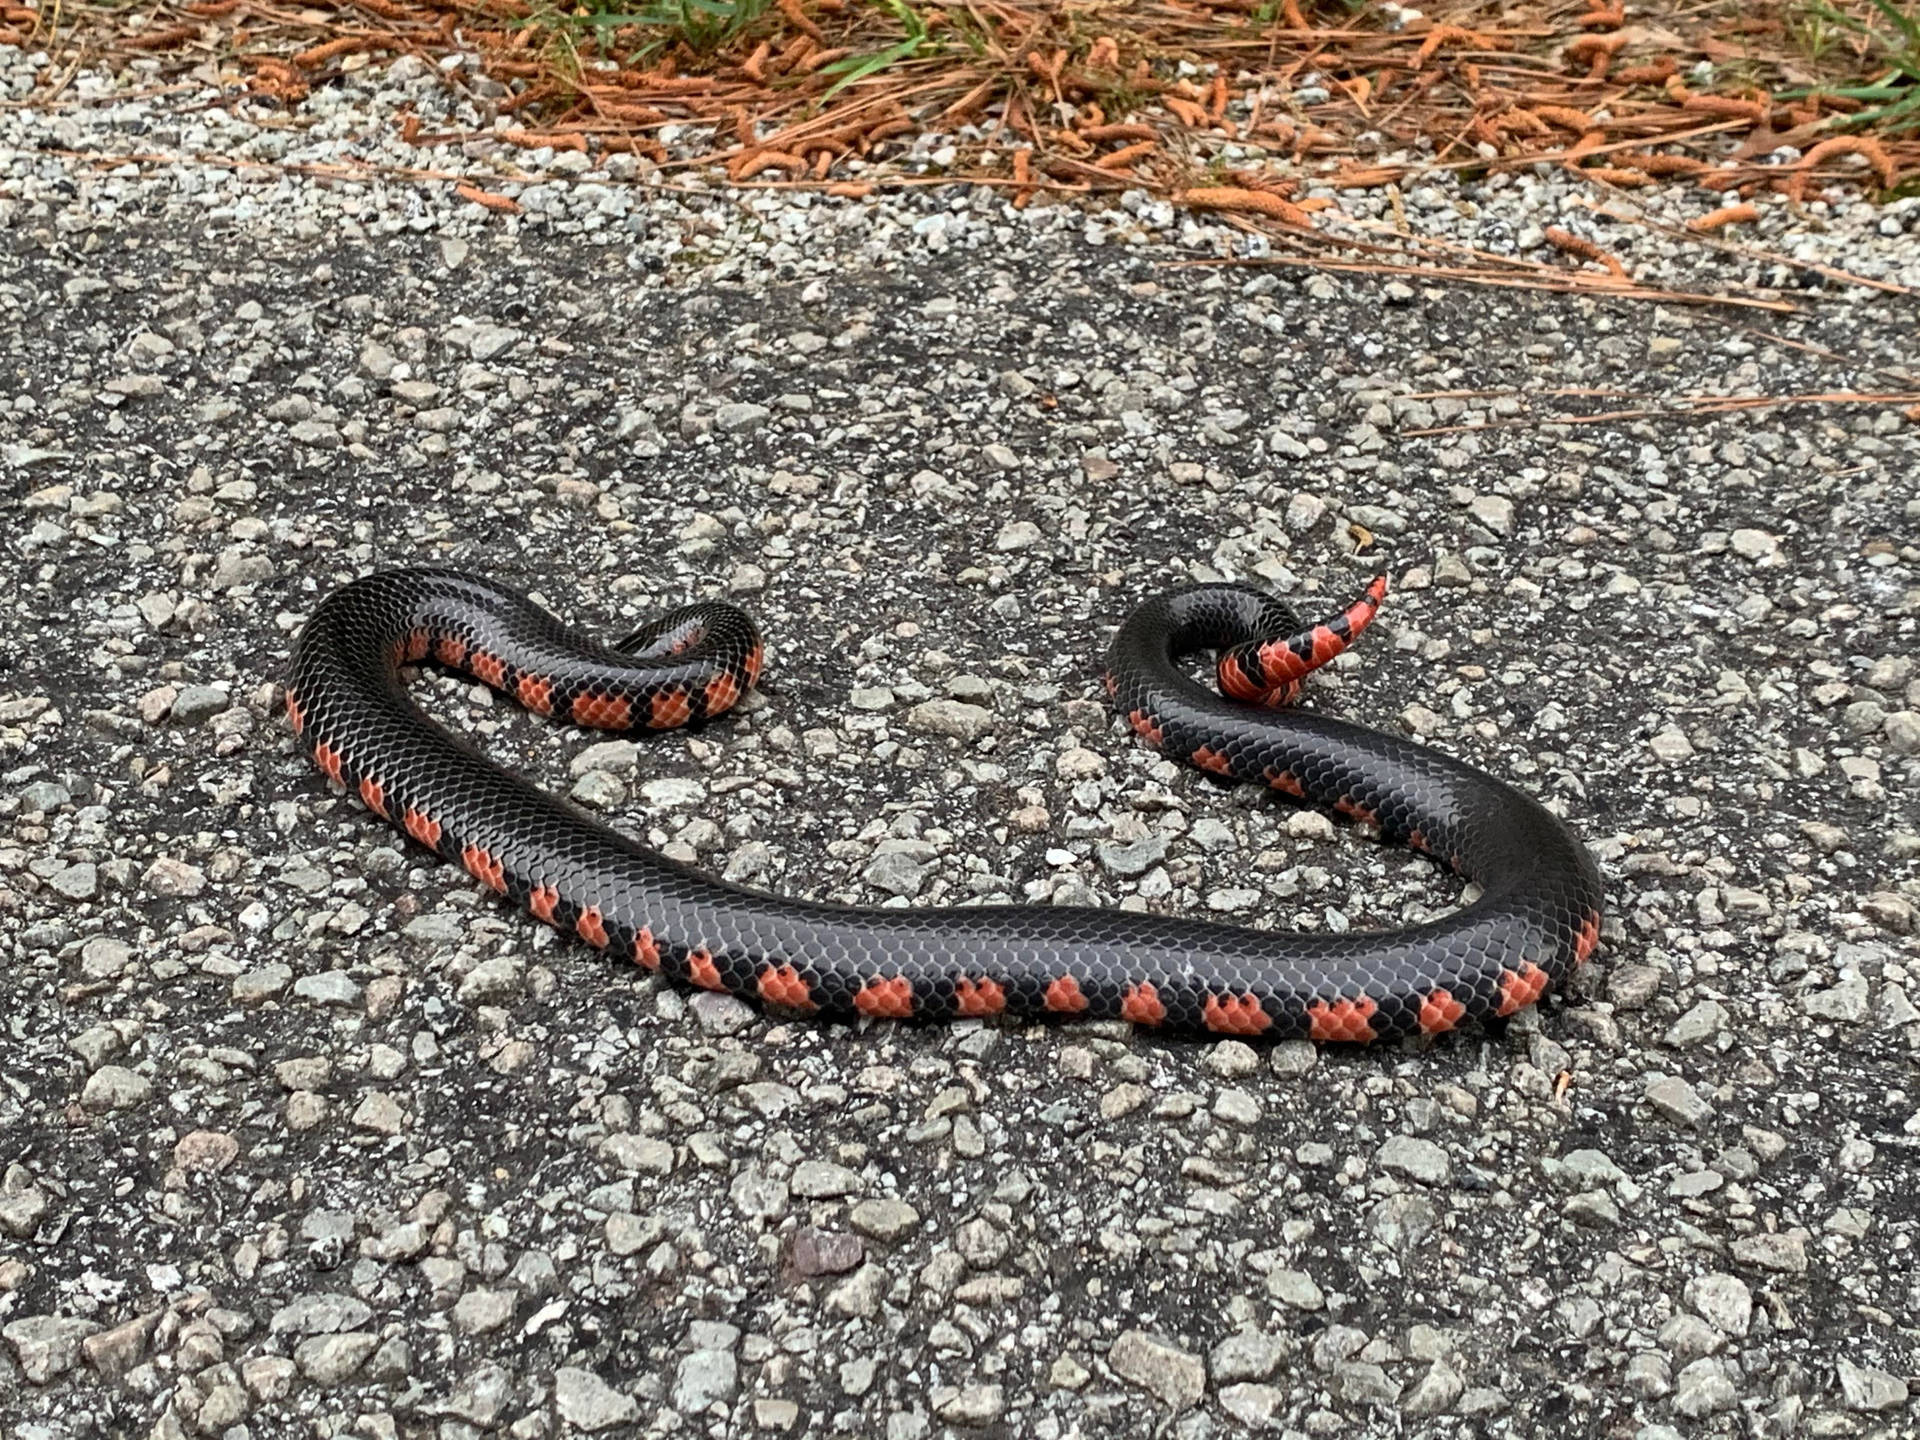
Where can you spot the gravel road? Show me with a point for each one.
(303, 1136)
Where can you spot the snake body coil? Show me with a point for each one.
(1537, 918)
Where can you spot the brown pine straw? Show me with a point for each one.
(318, 55)
(1571, 244)
(1254, 202)
(1070, 106)
(1726, 215)
(1864, 145)
(157, 39)
(487, 200)
(534, 140)
(1127, 155)
(1472, 73)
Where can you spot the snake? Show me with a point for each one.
(1535, 920)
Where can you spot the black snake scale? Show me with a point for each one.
(1537, 918)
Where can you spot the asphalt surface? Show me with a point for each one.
(305, 1136)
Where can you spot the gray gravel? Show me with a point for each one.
(304, 1137)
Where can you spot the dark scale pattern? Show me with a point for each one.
(1537, 919)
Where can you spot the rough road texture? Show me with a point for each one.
(306, 1136)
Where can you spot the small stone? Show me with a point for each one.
(114, 1352)
(1412, 1158)
(740, 417)
(380, 1113)
(261, 983)
(1291, 1059)
(720, 1014)
(1253, 1405)
(1648, 1376)
(1360, 1383)
(494, 979)
(1401, 1222)
(1891, 911)
(332, 1359)
(819, 1252)
(1235, 1106)
(401, 1244)
(1703, 1389)
(487, 341)
(972, 1405)
(1700, 1024)
(1246, 1355)
(1583, 1168)
(47, 1346)
(268, 1377)
(703, 1378)
(114, 1087)
(1493, 511)
(1867, 1389)
(1631, 986)
(823, 1180)
(206, 1152)
(305, 1110)
(672, 792)
(1902, 732)
(627, 1233)
(1846, 1002)
(1784, 1254)
(1678, 1101)
(1159, 1367)
(1723, 1300)
(1671, 745)
(104, 959)
(1079, 763)
(44, 797)
(79, 881)
(759, 1194)
(1756, 545)
(1067, 1373)
(900, 867)
(195, 703)
(478, 1311)
(981, 1244)
(329, 987)
(482, 1395)
(858, 1296)
(1435, 1392)
(1017, 535)
(644, 1155)
(953, 718)
(175, 879)
(1593, 1208)
(320, 1313)
(22, 1207)
(587, 1402)
(1134, 858)
(1295, 1288)
(613, 757)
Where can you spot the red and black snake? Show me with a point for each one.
(1537, 918)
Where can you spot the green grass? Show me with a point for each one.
(702, 26)
(1893, 97)
(707, 27)
(914, 42)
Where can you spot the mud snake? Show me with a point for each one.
(1537, 918)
